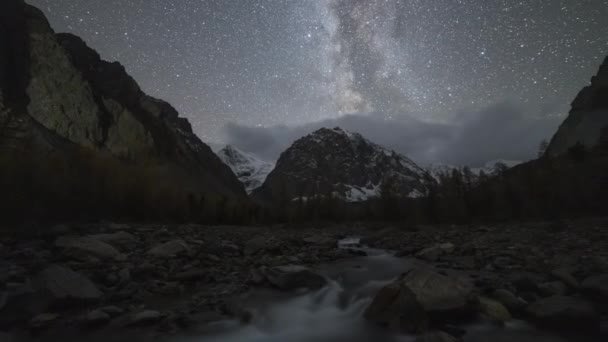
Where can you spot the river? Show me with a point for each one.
(334, 313)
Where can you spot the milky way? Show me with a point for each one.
(262, 63)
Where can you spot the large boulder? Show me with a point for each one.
(88, 247)
(597, 287)
(292, 277)
(509, 300)
(422, 296)
(397, 308)
(494, 310)
(65, 284)
(563, 313)
(442, 297)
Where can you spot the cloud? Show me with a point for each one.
(500, 131)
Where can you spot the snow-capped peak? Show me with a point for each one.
(251, 171)
(344, 164)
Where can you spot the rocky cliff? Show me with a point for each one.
(588, 116)
(344, 165)
(56, 94)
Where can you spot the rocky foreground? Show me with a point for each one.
(167, 279)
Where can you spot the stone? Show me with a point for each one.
(119, 239)
(118, 226)
(438, 336)
(429, 254)
(67, 287)
(96, 318)
(292, 277)
(142, 318)
(169, 249)
(442, 297)
(447, 248)
(597, 287)
(43, 321)
(261, 243)
(434, 253)
(124, 276)
(563, 313)
(564, 275)
(321, 240)
(396, 307)
(494, 310)
(191, 274)
(87, 247)
(509, 300)
(112, 310)
(526, 282)
(553, 288)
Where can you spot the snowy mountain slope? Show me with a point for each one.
(490, 168)
(250, 170)
(344, 165)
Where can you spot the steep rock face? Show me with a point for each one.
(250, 170)
(343, 164)
(589, 114)
(56, 93)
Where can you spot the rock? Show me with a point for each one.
(169, 249)
(429, 254)
(494, 310)
(86, 247)
(66, 287)
(6, 337)
(112, 310)
(567, 278)
(447, 248)
(435, 252)
(43, 321)
(323, 241)
(146, 268)
(143, 318)
(256, 277)
(442, 297)
(563, 313)
(261, 243)
(397, 308)
(525, 282)
(19, 304)
(124, 276)
(554, 288)
(96, 318)
(438, 336)
(293, 277)
(597, 287)
(118, 226)
(118, 239)
(509, 300)
(191, 274)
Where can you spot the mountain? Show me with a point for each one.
(588, 116)
(250, 170)
(343, 164)
(60, 101)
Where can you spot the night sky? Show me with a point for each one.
(292, 62)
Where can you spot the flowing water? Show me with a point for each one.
(334, 313)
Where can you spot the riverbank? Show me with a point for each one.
(123, 279)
